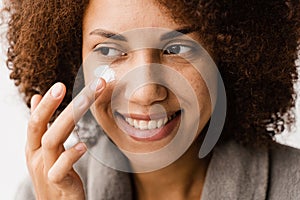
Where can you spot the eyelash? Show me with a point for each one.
(100, 49)
(104, 50)
(170, 51)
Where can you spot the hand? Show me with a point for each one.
(50, 165)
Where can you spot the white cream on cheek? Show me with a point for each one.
(105, 72)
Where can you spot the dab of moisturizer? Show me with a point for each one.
(105, 72)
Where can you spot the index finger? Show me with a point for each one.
(42, 109)
(59, 131)
(64, 124)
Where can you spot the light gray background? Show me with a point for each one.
(13, 119)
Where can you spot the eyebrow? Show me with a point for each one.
(116, 36)
(177, 33)
(108, 34)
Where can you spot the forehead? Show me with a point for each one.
(123, 15)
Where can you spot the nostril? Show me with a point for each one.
(162, 92)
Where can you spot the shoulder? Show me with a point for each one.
(284, 172)
(285, 157)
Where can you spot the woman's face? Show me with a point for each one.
(158, 92)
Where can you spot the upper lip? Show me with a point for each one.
(147, 117)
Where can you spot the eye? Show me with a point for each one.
(110, 51)
(177, 49)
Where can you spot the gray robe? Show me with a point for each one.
(234, 172)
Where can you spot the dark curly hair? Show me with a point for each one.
(253, 42)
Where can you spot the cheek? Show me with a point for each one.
(202, 93)
(101, 109)
(204, 102)
(200, 88)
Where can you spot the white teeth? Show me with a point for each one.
(143, 125)
(160, 123)
(130, 121)
(136, 124)
(148, 125)
(152, 124)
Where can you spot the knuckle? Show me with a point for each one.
(34, 124)
(48, 143)
(54, 178)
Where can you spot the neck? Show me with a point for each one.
(183, 179)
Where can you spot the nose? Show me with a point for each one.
(147, 90)
(149, 94)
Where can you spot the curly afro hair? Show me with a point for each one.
(253, 42)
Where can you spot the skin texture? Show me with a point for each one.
(251, 50)
(255, 52)
(104, 15)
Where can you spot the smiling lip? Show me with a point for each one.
(148, 117)
(148, 128)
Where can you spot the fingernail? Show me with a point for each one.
(80, 147)
(96, 85)
(56, 90)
